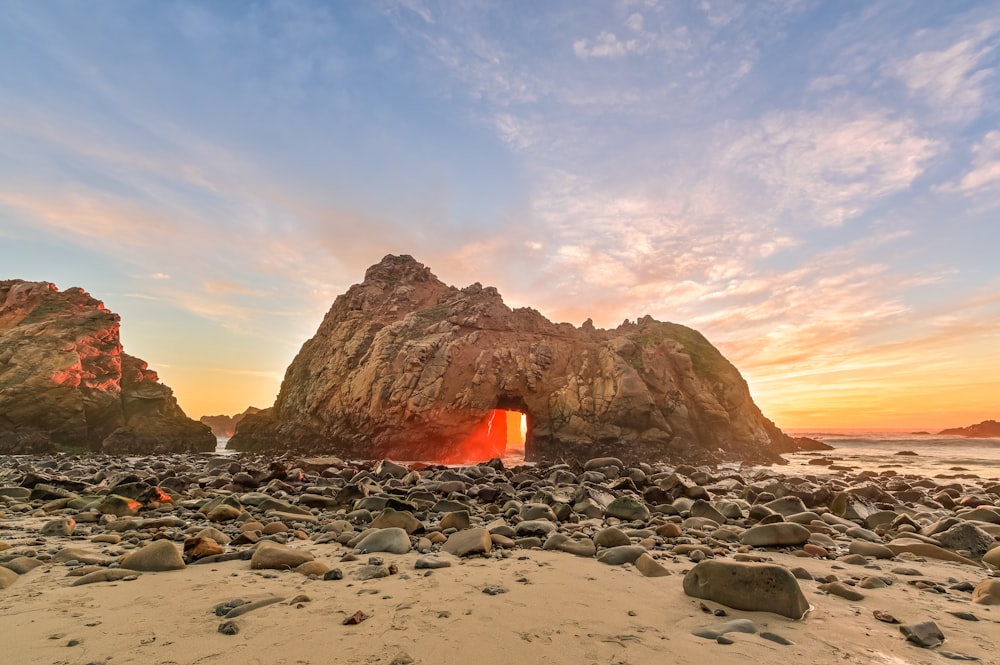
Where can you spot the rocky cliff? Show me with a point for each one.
(988, 429)
(405, 366)
(224, 426)
(65, 382)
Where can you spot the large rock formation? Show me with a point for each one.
(988, 429)
(65, 382)
(224, 426)
(407, 367)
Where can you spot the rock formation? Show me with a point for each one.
(66, 384)
(988, 429)
(224, 426)
(404, 366)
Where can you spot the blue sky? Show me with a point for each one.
(813, 185)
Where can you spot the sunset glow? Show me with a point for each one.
(813, 186)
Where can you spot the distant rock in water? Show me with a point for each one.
(988, 429)
(225, 426)
(806, 443)
(66, 384)
(407, 367)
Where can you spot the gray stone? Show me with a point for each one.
(924, 634)
(159, 555)
(393, 540)
(611, 537)
(968, 537)
(269, 555)
(775, 535)
(616, 556)
(627, 508)
(755, 587)
(469, 541)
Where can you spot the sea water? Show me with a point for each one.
(920, 454)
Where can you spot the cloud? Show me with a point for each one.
(831, 164)
(952, 78)
(985, 172)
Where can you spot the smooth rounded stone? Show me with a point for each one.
(967, 536)
(598, 463)
(822, 540)
(992, 558)
(816, 551)
(616, 556)
(982, 514)
(924, 634)
(393, 540)
(702, 508)
(786, 505)
(63, 526)
(987, 592)
(7, 577)
(668, 530)
(272, 528)
(537, 511)
(468, 541)
(310, 568)
(431, 562)
(921, 548)
(539, 528)
(200, 547)
(589, 508)
(872, 582)
(842, 590)
(272, 556)
(119, 506)
(448, 506)
(733, 626)
(754, 587)
(458, 519)
(858, 533)
(627, 508)
(699, 524)
(775, 535)
(866, 548)
(611, 537)
(223, 513)
(650, 567)
(106, 538)
(81, 556)
(23, 564)
(853, 559)
(577, 546)
(503, 542)
(802, 518)
(292, 517)
(105, 575)
(215, 534)
(402, 519)
(880, 518)
(157, 556)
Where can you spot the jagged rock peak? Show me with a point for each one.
(66, 383)
(406, 366)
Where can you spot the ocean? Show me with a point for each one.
(935, 456)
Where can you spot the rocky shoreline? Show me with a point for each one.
(748, 557)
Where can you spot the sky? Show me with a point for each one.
(815, 186)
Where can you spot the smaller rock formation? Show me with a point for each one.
(988, 429)
(66, 384)
(224, 426)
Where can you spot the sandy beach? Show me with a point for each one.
(515, 603)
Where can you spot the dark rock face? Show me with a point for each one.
(225, 426)
(988, 429)
(407, 367)
(66, 383)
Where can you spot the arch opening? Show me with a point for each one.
(502, 433)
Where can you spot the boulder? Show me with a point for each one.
(754, 587)
(393, 539)
(158, 555)
(269, 555)
(468, 541)
(987, 592)
(73, 387)
(776, 534)
(405, 366)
